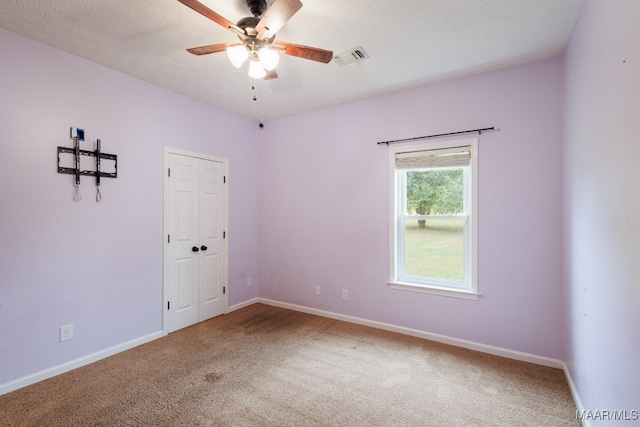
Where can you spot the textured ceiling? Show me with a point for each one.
(410, 42)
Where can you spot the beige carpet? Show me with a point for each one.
(266, 366)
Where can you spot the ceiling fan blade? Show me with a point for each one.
(212, 48)
(276, 16)
(305, 52)
(208, 13)
(271, 75)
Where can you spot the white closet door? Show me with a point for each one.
(212, 256)
(195, 262)
(183, 237)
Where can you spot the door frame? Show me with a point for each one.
(165, 229)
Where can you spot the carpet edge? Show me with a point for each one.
(470, 345)
(77, 363)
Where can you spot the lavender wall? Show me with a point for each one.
(98, 266)
(602, 205)
(324, 207)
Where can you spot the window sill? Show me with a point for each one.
(447, 292)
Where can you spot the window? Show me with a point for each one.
(433, 226)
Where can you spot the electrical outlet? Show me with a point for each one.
(248, 281)
(345, 294)
(317, 290)
(66, 333)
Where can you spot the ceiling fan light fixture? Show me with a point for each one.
(257, 37)
(237, 53)
(256, 69)
(269, 58)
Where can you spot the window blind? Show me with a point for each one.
(447, 158)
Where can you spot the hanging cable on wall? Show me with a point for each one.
(98, 194)
(77, 136)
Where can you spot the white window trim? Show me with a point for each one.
(470, 293)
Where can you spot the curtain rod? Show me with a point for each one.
(435, 136)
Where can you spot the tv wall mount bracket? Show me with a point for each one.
(77, 135)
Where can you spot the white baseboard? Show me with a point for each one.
(241, 305)
(82, 361)
(574, 392)
(497, 351)
(73, 364)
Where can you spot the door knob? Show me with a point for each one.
(203, 247)
(195, 249)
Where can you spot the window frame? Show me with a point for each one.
(468, 289)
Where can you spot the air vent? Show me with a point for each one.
(357, 54)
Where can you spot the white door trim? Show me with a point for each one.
(165, 229)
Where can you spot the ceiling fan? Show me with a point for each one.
(257, 37)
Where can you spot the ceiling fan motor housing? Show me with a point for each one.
(257, 7)
(248, 22)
